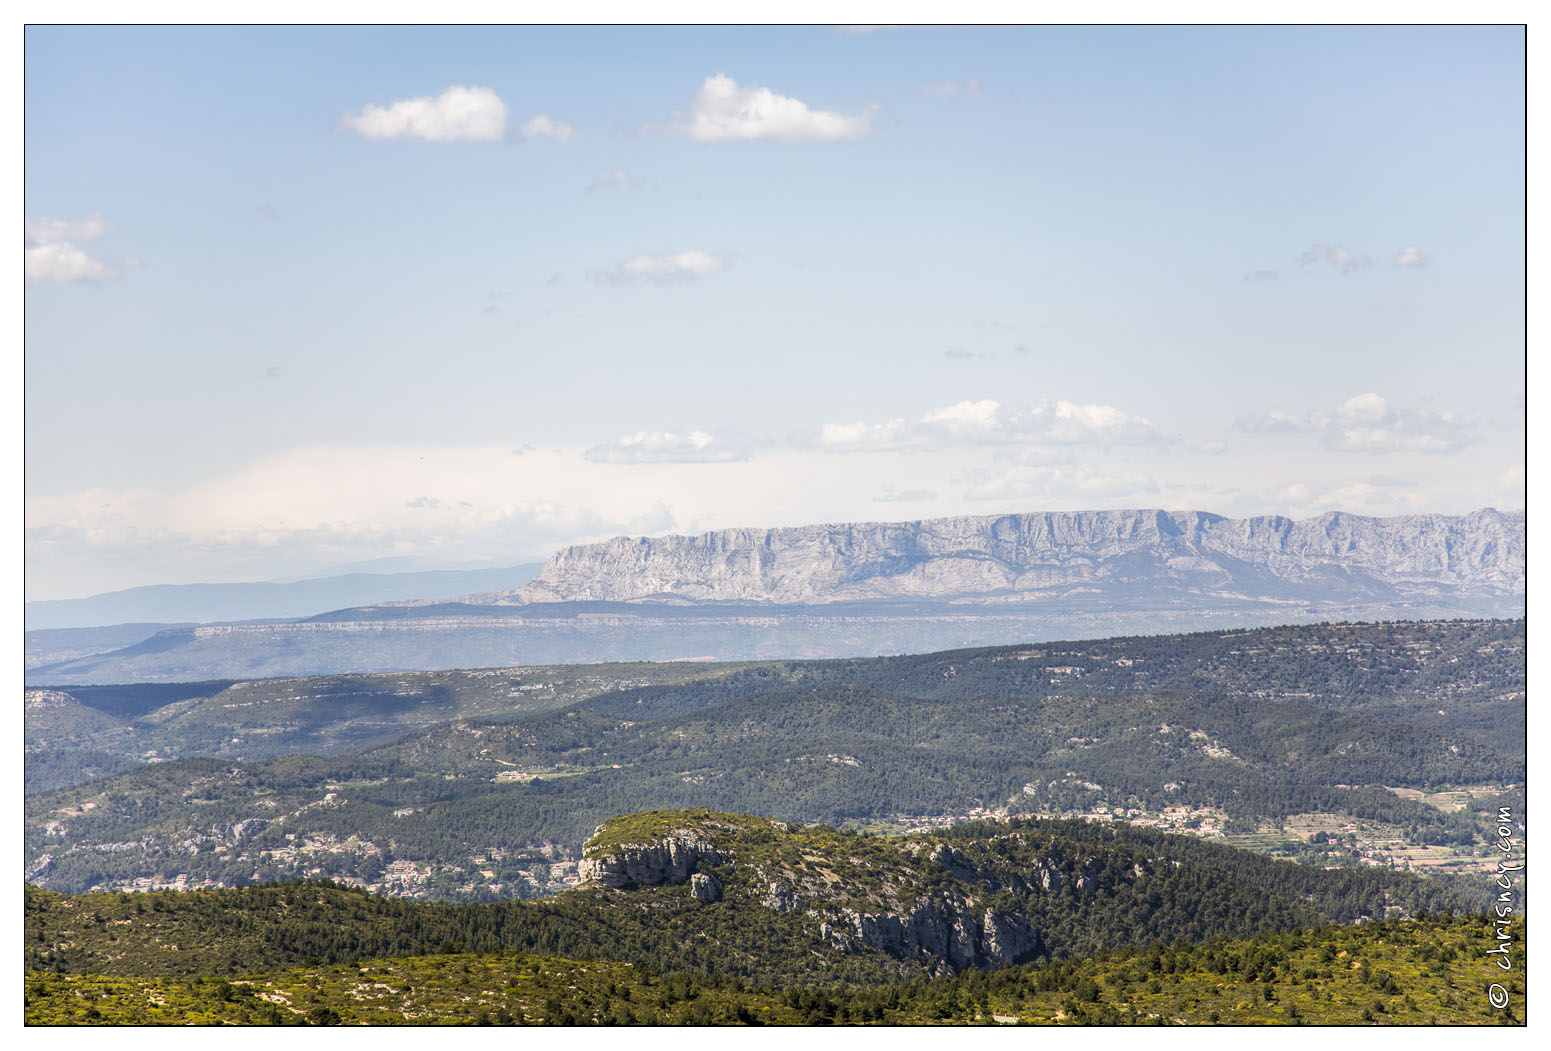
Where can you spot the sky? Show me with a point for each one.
(305, 299)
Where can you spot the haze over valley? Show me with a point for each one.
(863, 589)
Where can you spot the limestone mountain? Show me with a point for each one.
(868, 589)
(1115, 559)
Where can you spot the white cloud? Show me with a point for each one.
(864, 437)
(542, 127)
(616, 179)
(1077, 424)
(693, 262)
(475, 113)
(50, 254)
(63, 262)
(948, 87)
(1409, 258)
(674, 268)
(1337, 256)
(52, 231)
(966, 418)
(721, 111)
(668, 447)
(989, 422)
(1368, 423)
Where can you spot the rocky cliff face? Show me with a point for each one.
(850, 903)
(1055, 558)
(672, 859)
(955, 932)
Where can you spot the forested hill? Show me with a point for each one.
(702, 891)
(1396, 972)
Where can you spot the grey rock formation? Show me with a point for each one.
(953, 930)
(705, 888)
(1005, 939)
(781, 898)
(669, 860)
(244, 830)
(1052, 558)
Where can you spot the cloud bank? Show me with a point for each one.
(1368, 423)
(989, 422)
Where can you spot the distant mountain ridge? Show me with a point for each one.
(868, 589)
(207, 603)
(1135, 556)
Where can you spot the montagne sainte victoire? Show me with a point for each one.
(865, 589)
(1047, 557)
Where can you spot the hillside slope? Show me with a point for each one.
(700, 890)
(1400, 972)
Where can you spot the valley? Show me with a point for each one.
(482, 785)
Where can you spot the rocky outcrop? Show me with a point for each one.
(941, 903)
(1060, 557)
(246, 830)
(955, 933)
(705, 888)
(1009, 939)
(781, 898)
(671, 859)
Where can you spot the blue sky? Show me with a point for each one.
(304, 298)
